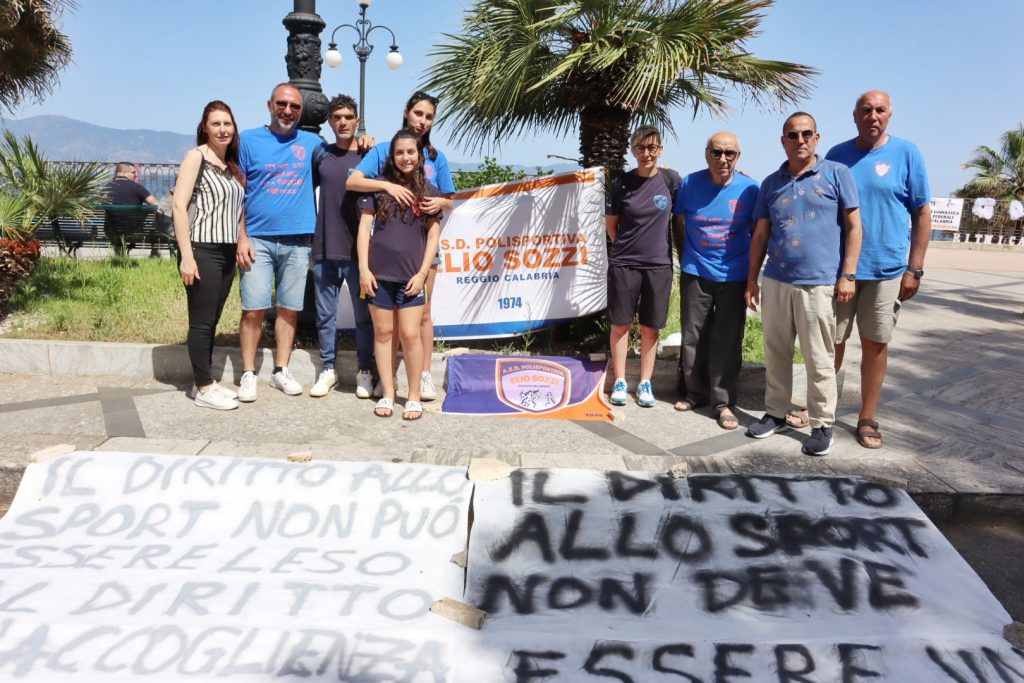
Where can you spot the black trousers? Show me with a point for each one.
(713, 316)
(206, 297)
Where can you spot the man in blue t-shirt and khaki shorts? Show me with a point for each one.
(894, 196)
(804, 211)
(274, 240)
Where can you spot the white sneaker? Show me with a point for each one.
(247, 387)
(364, 384)
(225, 391)
(427, 390)
(285, 382)
(324, 383)
(215, 399)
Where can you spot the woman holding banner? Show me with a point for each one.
(394, 263)
(418, 117)
(638, 215)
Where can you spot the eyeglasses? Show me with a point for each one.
(718, 153)
(281, 104)
(419, 96)
(805, 134)
(650, 149)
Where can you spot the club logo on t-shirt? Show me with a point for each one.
(661, 201)
(881, 168)
(299, 151)
(734, 206)
(428, 171)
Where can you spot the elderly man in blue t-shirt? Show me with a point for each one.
(713, 210)
(804, 211)
(895, 205)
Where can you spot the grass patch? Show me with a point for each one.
(119, 299)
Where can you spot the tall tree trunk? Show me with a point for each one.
(604, 137)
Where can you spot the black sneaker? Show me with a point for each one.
(819, 442)
(766, 426)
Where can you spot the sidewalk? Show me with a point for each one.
(952, 414)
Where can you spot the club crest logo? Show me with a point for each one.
(532, 385)
(299, 151)
(661, 201)
(881, 168)
(734, 206)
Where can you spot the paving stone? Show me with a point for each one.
(578, 461)
(358, 453)
(241, 449)
(653, 463)
(488, 469)
(709, 465)
(461, 457)
(774, 463)
(917, 479)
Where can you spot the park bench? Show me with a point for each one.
(121, 227)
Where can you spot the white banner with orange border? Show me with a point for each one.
(521, 256)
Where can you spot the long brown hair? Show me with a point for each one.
(417, 183)
(231, 154)
(419, 96)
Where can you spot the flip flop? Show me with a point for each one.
(870, 433)
(412, 407)
(728, 422)
(385, 404)
(797, 418)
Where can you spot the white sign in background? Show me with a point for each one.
(946, 213)
(116, 566)
(591, 576)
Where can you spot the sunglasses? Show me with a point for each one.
(281, 104)
(419, 96)
(805, 134)
(727, 153)
(650, 149)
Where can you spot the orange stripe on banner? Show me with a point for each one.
(524, 185)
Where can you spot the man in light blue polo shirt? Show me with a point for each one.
(803, 212)
(274, 240)
(896, 215)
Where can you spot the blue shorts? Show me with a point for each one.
(281, 265)
(391, 295)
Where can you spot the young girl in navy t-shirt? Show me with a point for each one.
(394, 261)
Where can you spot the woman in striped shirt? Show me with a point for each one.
(208, 201)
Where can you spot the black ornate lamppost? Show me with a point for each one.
(303, 61)
(362, 48)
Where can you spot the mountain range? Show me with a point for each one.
(65, 139)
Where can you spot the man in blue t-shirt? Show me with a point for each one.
(895, 206)
(274, 240)
(713, 221)
(803, 212)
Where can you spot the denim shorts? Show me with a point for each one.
(281, 264)
(391, 295)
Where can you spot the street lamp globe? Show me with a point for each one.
(394, 59)
(364, 3)
(333, 57)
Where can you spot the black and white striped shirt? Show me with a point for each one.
(217, 209)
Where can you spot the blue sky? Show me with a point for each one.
(952, 67)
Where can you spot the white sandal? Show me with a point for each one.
(387, 404)
(412, 407)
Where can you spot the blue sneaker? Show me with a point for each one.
(820, 441)
(767, 426)
(619, 394)
(645, 395)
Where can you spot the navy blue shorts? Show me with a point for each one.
(391, 295)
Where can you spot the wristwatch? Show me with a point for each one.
(852, 277)
(916, 272)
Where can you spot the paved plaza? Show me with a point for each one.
(951, 413)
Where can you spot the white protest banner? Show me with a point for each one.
(592, 576)
(946, 213)
(118, 566)
(520, 256)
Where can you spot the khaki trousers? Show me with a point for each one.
(807, 313)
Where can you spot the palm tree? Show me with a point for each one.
(32, 48)
(50, 190)
(604, 65)
(999, 174)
